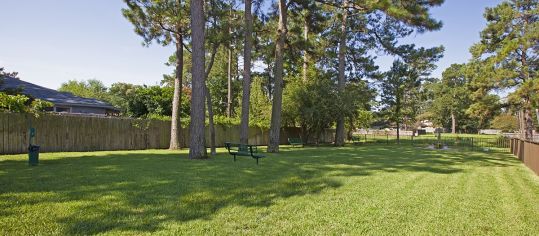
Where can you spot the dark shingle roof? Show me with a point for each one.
(51, 95)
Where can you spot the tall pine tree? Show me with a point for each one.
(165, 22)
(507, 54)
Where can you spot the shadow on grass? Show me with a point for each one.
(140, 191)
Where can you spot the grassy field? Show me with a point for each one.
(373, 189)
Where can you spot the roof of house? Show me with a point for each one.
(51, 95)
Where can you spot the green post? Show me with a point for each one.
(33, 150)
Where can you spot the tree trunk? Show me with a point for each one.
(521, 122)
(453, 123)
(197, 149)
(350, 133)
(208, 101)
(528, 119)
(398, 132)
(175, 126)
(305, 53)
(244, 125)
(229, 73)
(229, 82)
(339, 132)
(276, 109)
(398, 114)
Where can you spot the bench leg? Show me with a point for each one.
(234, 157)
(256, 161)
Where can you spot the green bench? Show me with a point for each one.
(237, 149)
(295, 142)
(356, 140)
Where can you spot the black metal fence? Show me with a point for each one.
(494, 142)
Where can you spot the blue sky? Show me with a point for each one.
(50, 42)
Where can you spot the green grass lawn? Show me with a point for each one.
(372, 189)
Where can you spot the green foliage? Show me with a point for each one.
(91, 88)
(260, 105)
(154, 116)
(484, 110)
(141, 101)
(313, 105)
(401, 85)
(451, 95)
(23, 104)
(13, 103)
(218, 84)
(156, 20)
(364, 119)
(133, 100)
(505, 122)
(226, 121)
(506, 57)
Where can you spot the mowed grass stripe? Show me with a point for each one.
(524, 189)
(373, 189)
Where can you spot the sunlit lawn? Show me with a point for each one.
(372, 189)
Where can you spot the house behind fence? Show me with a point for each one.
(62, 101)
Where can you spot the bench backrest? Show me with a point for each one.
(240, 148)
(294, 140)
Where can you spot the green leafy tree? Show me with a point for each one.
(91, 88)
(451, 98)
(22, 104)
(164, 22)
(506, 57)
(364, 119)
(311, 105)
(218, 84)
(260, 104)
(355, 104)
(367, 26)
(401, 84)
(484, 109)
(505, 122)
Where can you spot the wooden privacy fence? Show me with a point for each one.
(67, 133)
(55, 133)
(527, 152)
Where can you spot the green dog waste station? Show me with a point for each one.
(33, 150)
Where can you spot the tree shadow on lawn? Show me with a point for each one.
(366, 160)
(138, 192)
